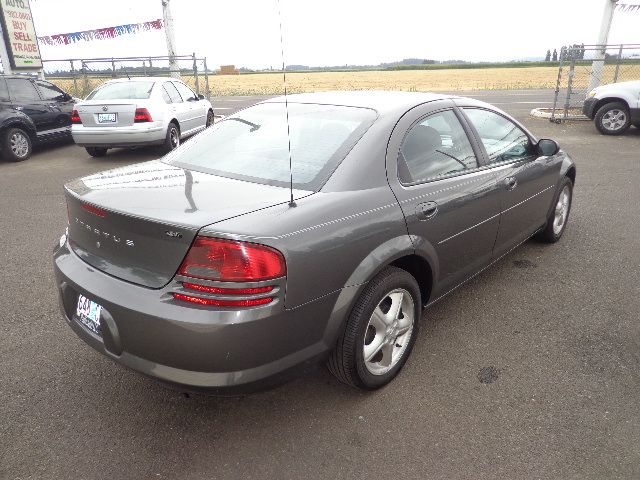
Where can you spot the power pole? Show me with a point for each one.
(171, 39)
(603, 39)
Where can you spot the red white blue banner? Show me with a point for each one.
(626, 7)
(100, 33)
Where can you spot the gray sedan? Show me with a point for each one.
(313, 230)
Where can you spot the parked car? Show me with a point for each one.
(31, 111)
(614, 107)
(218, 267)
(137, 112)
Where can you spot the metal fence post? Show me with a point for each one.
(113, 68)
(615, 76)
(75, 80)
(195, 74)
(86, 79)
(206, 79)
(572, 68)
(558, 82)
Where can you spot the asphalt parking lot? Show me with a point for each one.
(529, 371)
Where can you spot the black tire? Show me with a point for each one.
(210, 118)
(16, 145)
(172, 139)
(616, 111)
(96, 152)
(347, 361)
(550, 234)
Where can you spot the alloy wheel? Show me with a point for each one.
(562, 210)
(19, 144)
(614, 119)
(388, 332)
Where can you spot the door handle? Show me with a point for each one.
(427, 210)
(511, 182)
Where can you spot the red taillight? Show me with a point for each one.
(223, 303)
(95, 210)
(231, 261)
(75, 117)
(227, 291)
(142, 115)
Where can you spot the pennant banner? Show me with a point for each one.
(100, 33)
(625, 7)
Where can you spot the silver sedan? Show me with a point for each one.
(137, 112)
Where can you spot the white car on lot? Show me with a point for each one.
(139, 111)
(614, 107)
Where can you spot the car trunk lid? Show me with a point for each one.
(138, 222)
(108, 113)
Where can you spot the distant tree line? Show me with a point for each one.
(575, 52)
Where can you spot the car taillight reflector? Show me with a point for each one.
(95, 210)
(142, 115)
(227, 291)
(223, 303)
(231, 261)
(75, 117)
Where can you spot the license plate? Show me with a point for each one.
(106, 118)
(88, 313)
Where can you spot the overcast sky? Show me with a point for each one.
(335, 32)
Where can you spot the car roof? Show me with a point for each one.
(142, 79)
(380, 100)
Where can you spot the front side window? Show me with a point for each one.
(435, 147)
(253, 145)
(22, 90)
(185, 92)
(48, 91)
(502, 139)
(131, 90)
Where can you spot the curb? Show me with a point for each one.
(547, 112)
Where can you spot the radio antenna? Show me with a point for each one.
(292, 202)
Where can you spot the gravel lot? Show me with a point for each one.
(529, 371)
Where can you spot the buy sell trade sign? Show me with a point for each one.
(20, 34)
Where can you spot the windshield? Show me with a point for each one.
(253, 144)
(122, 90)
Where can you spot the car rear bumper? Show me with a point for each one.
(198, 348)
(588, 108)
(136, 135)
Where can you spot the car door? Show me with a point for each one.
(197, 115)
(526, 181)
(178, 107)
(59, 102)
(449, 200)
(25, 98)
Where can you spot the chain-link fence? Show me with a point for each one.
(80, 76)
(584, 67)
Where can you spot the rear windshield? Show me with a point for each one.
(122, 90)
(253, 144)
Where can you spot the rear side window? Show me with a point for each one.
(172, 92)
(502, 139)
(22, 90)
(122, 91)
(48, 91)
(185, 92)
(4, 92)
(253, 145)
(435, 147)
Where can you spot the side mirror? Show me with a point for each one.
(547, 147)
(200, 97)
